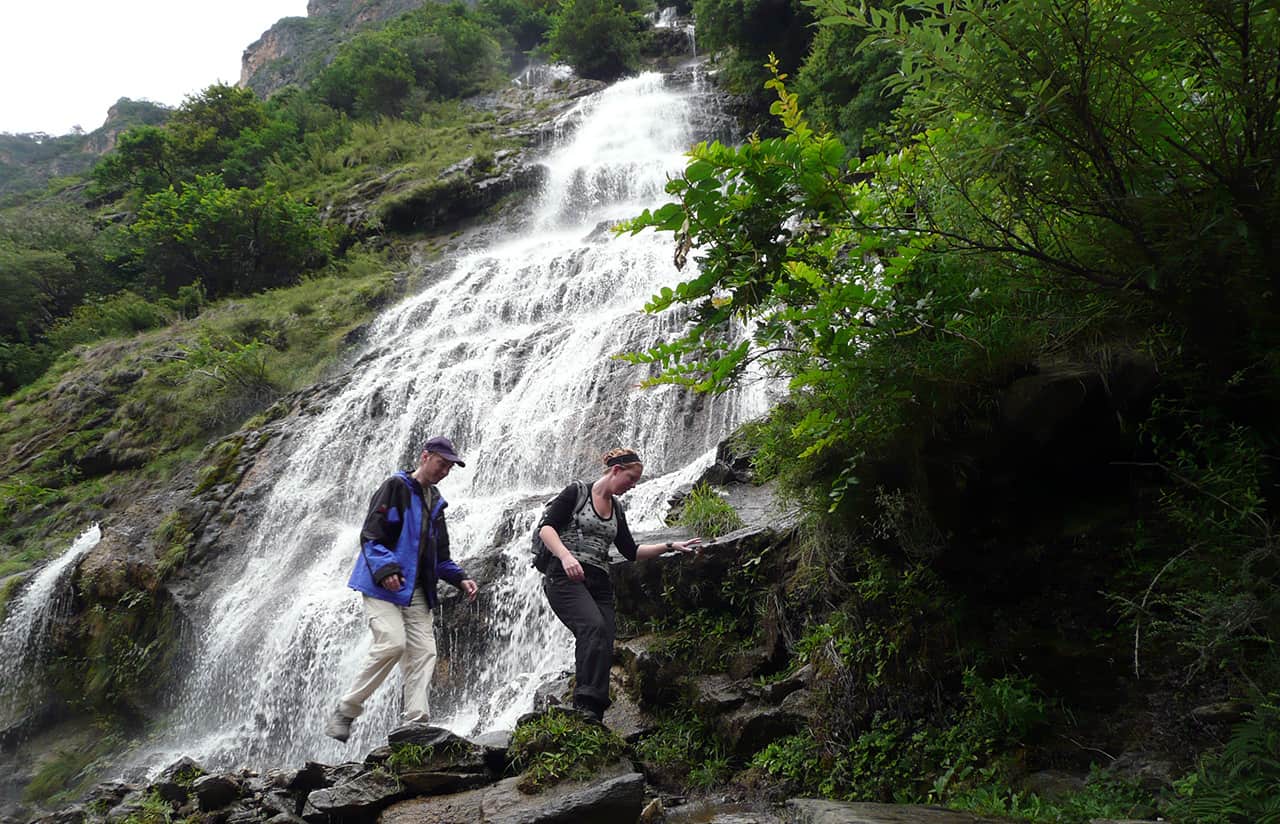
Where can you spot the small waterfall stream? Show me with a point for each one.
(511, 354)
(44, 601)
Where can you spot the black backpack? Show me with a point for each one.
(542, 556)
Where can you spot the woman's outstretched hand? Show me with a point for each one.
(691, 545)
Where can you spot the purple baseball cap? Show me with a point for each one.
(443, 447)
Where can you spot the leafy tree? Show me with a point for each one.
(233, 240)
(749, 31)
(206, 126)
(1119, 152)
(144, 159)
(527, 24)
(596, 37)
(48, 263)
(222, 129)
(431, 53)
(842, 84)
(370, 76)
(1126, 146)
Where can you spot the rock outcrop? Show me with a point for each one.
(278, 57)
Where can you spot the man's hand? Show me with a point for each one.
(470, 587)
(393, 582)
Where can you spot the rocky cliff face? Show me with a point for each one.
(29, 161)
(294, 48)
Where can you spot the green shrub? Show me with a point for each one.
(71, 769)
(1239, 783)
(234, 241)
(121, 314)
(1005, 710)
(707, 514)
(406, 756)
(596, 37)
(703, 640)
(686, 743)
(19, 494)
(154, 810)
(561, 746)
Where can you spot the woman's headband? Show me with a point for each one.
(621, 460)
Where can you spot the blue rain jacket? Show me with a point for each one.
(405, 534)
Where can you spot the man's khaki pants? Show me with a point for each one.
(402, 635)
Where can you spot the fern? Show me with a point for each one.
(1240, 783)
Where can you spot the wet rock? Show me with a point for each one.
(278, 802)
(426, 735)
(285, 818)
(1222, 712)
(442, 782)
(129, 806)
(216, 791)
(716, 694)
(243, 813)
(174, 782)
(75, 814)
(309, 777)
(750, 663)
(651, 676)
(553, 693)
(653, 813)
(753, 727)
(775, 691)
(805, 704)
(692, 581)
(461, 808)
(616, 794)
(1053, 785)
(363, 795)
(1152, 773)
(495, 745)
(815, 811)
(625, 717)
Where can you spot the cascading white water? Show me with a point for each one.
(29, 617)
(669, 18)
(510, 354)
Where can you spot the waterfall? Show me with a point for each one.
(29, 617)
(669, 18)
(511, 354)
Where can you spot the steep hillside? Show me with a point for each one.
(295, 49)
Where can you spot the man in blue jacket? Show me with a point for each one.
(404, 551)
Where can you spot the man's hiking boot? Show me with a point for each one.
(339, 726)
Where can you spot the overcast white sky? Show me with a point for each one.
(64, 62)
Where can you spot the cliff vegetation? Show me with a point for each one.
(1016, 261)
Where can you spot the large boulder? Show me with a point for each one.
(753, 727)
(362, 796)
(650, 675)
(614, 795)
(818, 811)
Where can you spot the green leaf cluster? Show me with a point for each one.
(232, 241)
(561, 746)
(707, 514)
(597, 37)
(432, 53)
(1237, 783)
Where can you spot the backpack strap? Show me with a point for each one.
(584, 494)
